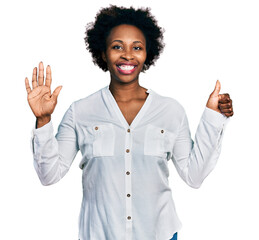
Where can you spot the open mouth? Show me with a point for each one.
(126, 69)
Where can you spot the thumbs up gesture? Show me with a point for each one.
(221, 103)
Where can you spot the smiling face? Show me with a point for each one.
(125, 53)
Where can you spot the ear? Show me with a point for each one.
(103, 56)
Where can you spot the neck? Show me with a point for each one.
(126, 92)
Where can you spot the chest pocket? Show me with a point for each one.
(104, 140)
(158, 141)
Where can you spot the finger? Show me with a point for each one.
(48, 77)
(56, 92)
(34, 78)
(225, 95)
(216, 90)
(225, 105)
(41, 74)
(27, 85)
(227, 110)
(224, 98)
(229, 114)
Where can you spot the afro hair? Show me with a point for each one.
(110, 17)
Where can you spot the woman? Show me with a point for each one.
(126, 134)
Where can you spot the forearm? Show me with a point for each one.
(53, 155)
(195, 160)
(46, 155)
(205, 152)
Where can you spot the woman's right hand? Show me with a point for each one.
(40, 99)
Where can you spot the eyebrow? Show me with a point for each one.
(122, 41)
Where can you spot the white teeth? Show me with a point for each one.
(126, 67)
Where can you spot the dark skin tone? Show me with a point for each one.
(221, 103)
(129, 95)
(225, 105)
(125, 44)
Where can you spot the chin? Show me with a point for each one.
(125, 78)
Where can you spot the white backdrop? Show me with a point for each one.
(205, 40)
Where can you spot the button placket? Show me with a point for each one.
(128, 187)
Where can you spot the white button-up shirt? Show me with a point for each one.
(126, 194)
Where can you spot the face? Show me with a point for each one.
(125, 53)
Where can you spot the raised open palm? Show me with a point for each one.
(40, 99)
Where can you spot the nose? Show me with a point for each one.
(127, 54)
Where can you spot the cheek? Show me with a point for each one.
(111, 57)
(144, 58)
(108, 60)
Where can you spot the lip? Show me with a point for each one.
(127, 63)
(126, 72)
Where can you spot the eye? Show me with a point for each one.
(117, 47)
(137, 48)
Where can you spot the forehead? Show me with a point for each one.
(126, 33)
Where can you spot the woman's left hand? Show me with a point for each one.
(221, 103)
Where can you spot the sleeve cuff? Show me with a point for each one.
(216, 119)
(43, 133)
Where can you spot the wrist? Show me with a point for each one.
(213, 108)
(41, 121)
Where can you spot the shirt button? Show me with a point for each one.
(128, 195)
(96, 128)
(128, 173)
(129, 217)
(128, 130)
(127, 150)
(162, 131)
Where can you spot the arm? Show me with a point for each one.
(194, 160)
(53, 155)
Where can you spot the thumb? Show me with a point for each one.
(216, 91)
(56, 92)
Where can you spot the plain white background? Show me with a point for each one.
(205, 40)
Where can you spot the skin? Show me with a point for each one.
(40, 99)
(125, 43)
(221, 103)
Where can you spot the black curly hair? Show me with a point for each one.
(107, 18)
